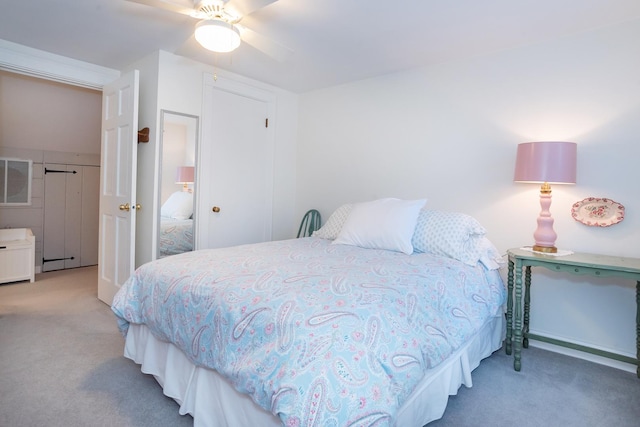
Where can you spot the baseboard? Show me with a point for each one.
(583, 355)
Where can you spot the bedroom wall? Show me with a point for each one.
(187, 96)
(45, 121)
(449, 133)
(175, 83)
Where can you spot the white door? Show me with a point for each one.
(118, 157)
(54, 219)
(63, 216)
(235, 169)
(90, 215)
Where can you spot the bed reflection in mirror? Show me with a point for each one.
(177, 183)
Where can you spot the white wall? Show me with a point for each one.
(174, 155)
(39, 114)
(46, 122)
(181, 80)
(449, 133)
(175, 83)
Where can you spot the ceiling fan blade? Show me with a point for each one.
(183, 8)
(245, 7)
(275, 50)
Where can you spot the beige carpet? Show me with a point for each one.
(61, 361)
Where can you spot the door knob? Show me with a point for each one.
(215, 209)
(124, 207)
(137, 206)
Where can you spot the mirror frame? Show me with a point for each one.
(161, 143)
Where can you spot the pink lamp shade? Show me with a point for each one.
(546, 162)
(184, 176)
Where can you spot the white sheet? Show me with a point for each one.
(213, 402)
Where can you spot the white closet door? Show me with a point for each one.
(235, 169)
(90, 215)
(73, 216)
(70, 216)
(55, 200)
(62, 215)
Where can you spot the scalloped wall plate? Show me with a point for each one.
(597, 212)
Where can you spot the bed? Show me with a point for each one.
(317, 330)
(176, 224)
(176, 236)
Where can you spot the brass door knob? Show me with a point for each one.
(137, 206)
(215, 209)
(124, 207)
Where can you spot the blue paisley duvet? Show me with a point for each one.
(318, 334)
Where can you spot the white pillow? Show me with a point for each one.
(451, 234)
(490, 256)
(381, 224)
(178, 206)
(332, 227)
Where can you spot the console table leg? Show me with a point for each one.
(638, 328)
(517, 332)
(508, 340)
(527, 306)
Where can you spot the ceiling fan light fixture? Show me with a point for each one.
(217, 35)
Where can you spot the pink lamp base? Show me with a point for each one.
(544, 235)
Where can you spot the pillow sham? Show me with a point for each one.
(381, 224)
(490, 256)
(452, 234)
(332, 227)
(179, 205)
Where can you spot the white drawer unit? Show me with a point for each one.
(17, 255)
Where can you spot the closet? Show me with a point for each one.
(70, 223)
(234, 161)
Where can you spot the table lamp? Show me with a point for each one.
(184, 176)
(546, 162)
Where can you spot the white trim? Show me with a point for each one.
(581, 354)
(38, 63)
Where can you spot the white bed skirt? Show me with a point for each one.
(212, 402)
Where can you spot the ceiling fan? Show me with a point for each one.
(218, 28)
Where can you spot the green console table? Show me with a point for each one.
(577, 263)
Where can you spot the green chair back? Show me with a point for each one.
(310, 222)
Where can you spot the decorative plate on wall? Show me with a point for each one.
(597, 212)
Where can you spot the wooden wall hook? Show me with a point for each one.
(143, 135)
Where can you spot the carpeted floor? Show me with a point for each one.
(551, 390)
(61, 364)
(61, 361)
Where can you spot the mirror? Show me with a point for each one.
(177, 182)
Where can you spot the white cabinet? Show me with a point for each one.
(70, 216)
(17, 255)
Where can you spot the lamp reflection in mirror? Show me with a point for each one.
(546, 162)
(217, 35)
(184, 176)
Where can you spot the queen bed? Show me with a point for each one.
(176, 224)
(176, 236)
(328, 330)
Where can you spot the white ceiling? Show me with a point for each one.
(334, 41)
